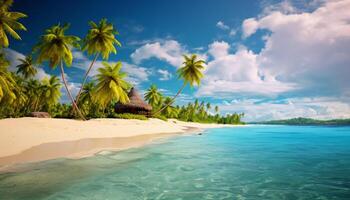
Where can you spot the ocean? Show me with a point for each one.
(251, 162)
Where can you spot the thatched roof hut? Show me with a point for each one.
(135, 106)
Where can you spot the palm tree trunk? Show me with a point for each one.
(68, 92)
(85, 77)
(172, 100)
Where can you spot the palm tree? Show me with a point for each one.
(7, 82)
(87, 93)
(111, 85)
(51, 90)
(33, 91)
(26, 68)
(99, 40)
(153, 96)
(85, 100)
(170, 111)
(208, 106)
(190, 72)
(55, 47)
(9, 23)
(216, 109)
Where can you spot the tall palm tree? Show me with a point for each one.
(153, 96)
(51, 90)
(9, 22)
(111, 85)
(99, 40)
(26, 68)
(190, 73)
(55, 47)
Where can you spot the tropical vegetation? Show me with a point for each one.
(22, 92)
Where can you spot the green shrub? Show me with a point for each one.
(161, 117)
(129, 116)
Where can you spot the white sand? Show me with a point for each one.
(34, 139)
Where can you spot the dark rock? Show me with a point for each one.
(40, 114)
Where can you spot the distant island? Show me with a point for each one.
(306, 121)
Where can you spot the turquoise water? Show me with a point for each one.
(256, 162)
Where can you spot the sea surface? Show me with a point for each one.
(253, 162)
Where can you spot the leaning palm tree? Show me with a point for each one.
(99, 40)
(26, 68)
(55, 47)
(111, 85)
(9, 23)
(152, 95)
(190, 72)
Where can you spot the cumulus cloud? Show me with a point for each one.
(169, 51)
(12, 56)
(308, 48)
(229, 74)
(249, 27)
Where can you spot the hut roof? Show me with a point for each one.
(135, 101)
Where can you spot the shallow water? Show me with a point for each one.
(254, 162)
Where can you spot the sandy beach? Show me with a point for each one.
(36, 139)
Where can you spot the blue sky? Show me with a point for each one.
(269, 59)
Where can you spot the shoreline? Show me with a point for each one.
(29, 140)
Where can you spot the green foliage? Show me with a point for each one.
(20, 95)
(129, 116)
(153, 96)
(161, 117)
(111, 85)
(307, 121)
(9, 23)
(101, 39)
(54, 46)
(26, 68)
(191, 71)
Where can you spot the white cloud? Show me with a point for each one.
(319, 108)
(231, 31)
(165, 74)
(249, 27)
(222, 25)
(13, 56)
(229, 74)
(169, 51)
(308, 48)
(73, 88)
